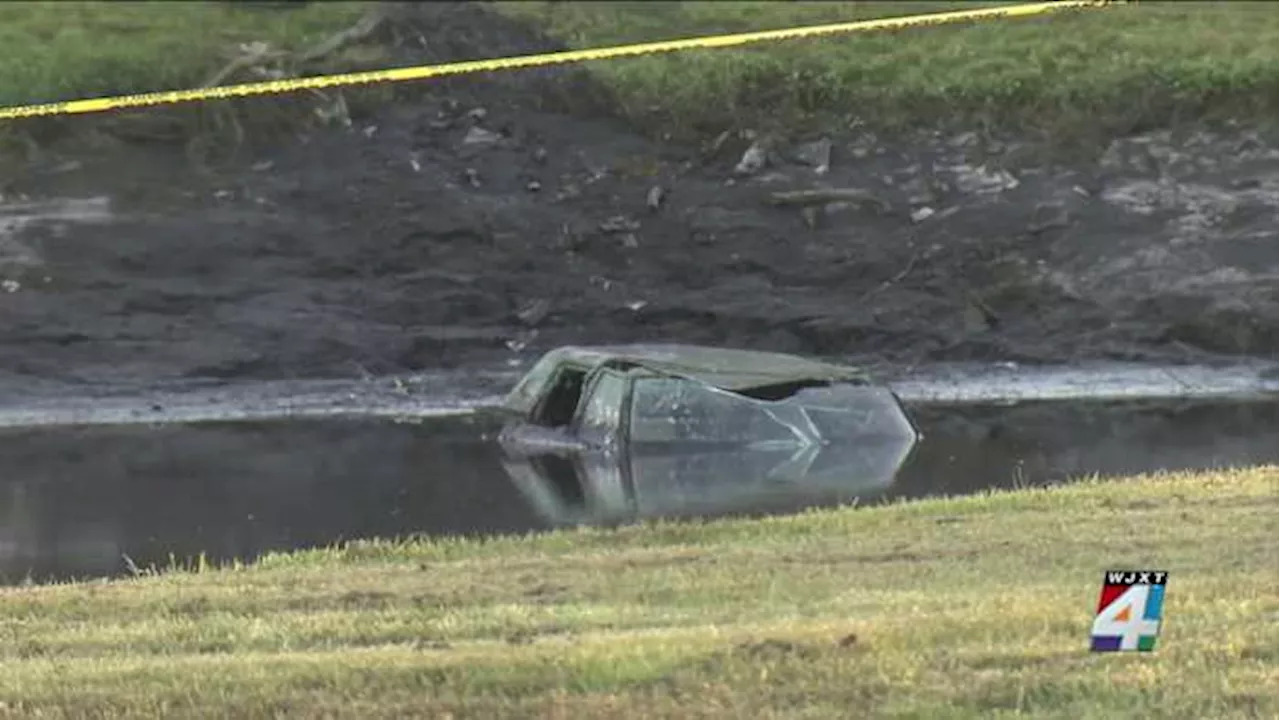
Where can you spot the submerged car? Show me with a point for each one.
(609, 431)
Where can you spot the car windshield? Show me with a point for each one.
(525, 394)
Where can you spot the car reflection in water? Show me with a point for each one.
(614, 434)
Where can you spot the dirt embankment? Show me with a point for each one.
(478, 220)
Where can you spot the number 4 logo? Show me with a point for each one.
(1131, 620)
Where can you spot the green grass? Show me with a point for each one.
(1084, 73)
(1074, 75)
(58, 51)
(55, 51)
(972, 607)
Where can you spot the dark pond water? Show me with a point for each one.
(77, 502)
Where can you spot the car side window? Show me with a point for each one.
(602, 411)
(660, 410)
(677, 410)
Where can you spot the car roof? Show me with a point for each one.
(725, 368)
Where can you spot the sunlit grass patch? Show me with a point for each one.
(963, 607)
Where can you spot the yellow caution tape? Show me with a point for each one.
(90, 105)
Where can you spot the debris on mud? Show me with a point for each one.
(816, 154)
(411, 247)
(754, 159)
(828, 196)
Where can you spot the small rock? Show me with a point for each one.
(983, 180)
(370, 131)
(636, 306)
(975, 321)
(335, 113)
(921, 214)
(480, 136)
(10, 286)
(520, 343)
(1048, 218)
(816, 154)
(533, 186)
(413, 163)
(535, 312)
(618, 224)
(477, 114)
(263, 166)
(753, 160)
(568, 192)
(66, 167)
(978, 317)
(654, 198)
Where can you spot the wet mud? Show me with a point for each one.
(481, 219)
(95, 501)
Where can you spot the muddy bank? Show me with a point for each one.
(475, 220)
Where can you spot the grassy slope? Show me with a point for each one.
(54, 51)
(973, 607)
(1081, 73)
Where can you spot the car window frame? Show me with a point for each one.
(533, 387)
(649, 377)
(548, 384)
(589, 387)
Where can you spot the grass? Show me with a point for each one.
(55, 51)
(1078, 74)
(971, 607)
(1083, 73)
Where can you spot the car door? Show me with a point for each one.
(600, 423)
(598, 420)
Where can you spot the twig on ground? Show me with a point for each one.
(364, 27)
(902, 274)
(131, 566)
(822, 196)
